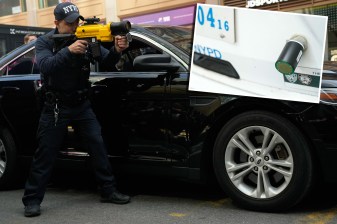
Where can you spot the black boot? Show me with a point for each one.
(32, 210)
(117, 198)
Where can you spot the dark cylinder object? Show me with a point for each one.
(291, 55)
(120, 28)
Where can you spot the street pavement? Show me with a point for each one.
(73, 199)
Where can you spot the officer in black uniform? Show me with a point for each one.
(65, 74)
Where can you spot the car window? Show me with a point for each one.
(137, 47)
(177, 35)
(126, 62)
(24, 65)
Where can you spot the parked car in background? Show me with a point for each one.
(266, 154)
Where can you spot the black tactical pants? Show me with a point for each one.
(51, 134)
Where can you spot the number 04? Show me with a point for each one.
(210, 18)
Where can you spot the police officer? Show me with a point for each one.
(65, 72)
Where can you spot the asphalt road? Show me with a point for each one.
(74, 199)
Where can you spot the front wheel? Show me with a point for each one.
(8, 165)
(262, 161)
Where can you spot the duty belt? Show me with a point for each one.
(68, 99)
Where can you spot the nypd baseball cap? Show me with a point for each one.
(67, 11)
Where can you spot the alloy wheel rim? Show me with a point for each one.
(259, 162)
(3, 159)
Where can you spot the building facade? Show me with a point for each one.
(313, 7)
(39, 13)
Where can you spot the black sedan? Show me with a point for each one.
(265, 154)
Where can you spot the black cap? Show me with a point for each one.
(67, 11)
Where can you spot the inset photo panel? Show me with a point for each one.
(258, 53)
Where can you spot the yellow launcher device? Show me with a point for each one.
(103, 33)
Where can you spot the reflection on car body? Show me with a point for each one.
(263, 152)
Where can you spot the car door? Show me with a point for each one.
(132, 110)
(179, 127)
(20, 106)
(135, 125)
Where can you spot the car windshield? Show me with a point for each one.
(179, 36)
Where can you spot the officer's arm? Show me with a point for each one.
(47, 61)
(109, 58)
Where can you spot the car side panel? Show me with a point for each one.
(138, 118)
(20, 107)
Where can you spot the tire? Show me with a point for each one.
(256, 177)
(8, 160)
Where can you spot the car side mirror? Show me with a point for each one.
(154, 62)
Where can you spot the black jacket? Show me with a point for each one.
(63, 71)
